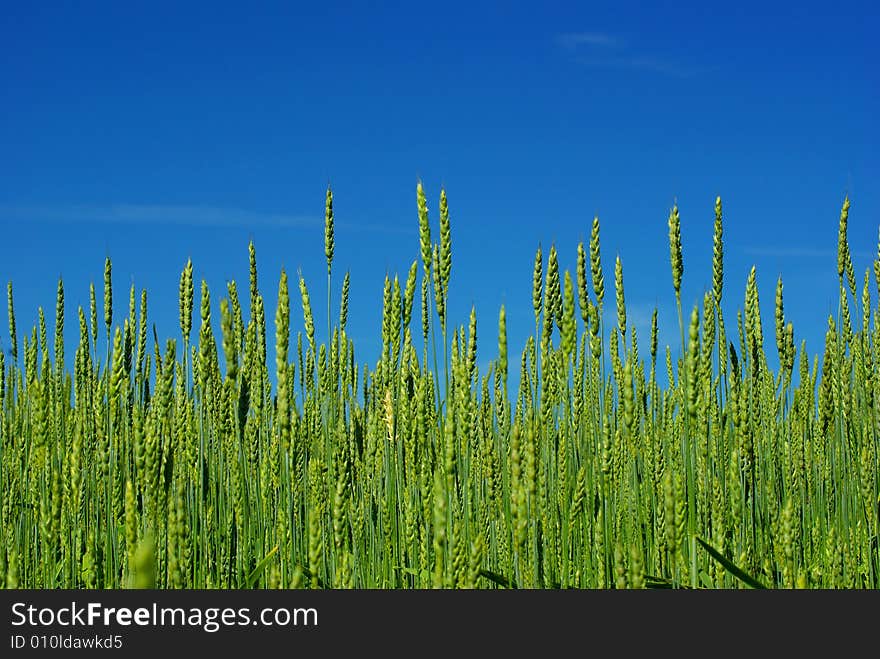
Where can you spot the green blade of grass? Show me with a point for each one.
(498, 579)
(731, 567)
(258, 570)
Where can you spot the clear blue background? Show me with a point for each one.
(155, 131)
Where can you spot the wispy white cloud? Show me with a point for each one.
(640, 314)
(206, 216)
(603, 50)
(571, 40)
(180, 215)
(800, 252)
(392, 229)
(647, 63)
(790, 252)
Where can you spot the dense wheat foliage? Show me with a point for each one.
(194, 462)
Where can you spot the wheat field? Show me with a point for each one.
(191, 461)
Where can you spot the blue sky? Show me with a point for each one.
(154, 132)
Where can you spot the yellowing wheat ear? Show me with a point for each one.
(343, 305)
(424, 230)
(445, 251)
(718, 255)
(844, 257)
(553, 290)
(537, 289)
(329, 244)
(596, 264)
(13, 339)
(619, 296)
(308, 319)
(779, 317)
(569, 324)
(186, 300)
(502, 344)
(877, 265)
(675, 250)
(108, 295)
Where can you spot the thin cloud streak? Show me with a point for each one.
(602, 50)
(645, 63)
(790, 252)
(198, 216)
(179, 215)
(572, 40)
(799, 252)
(378, 228)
